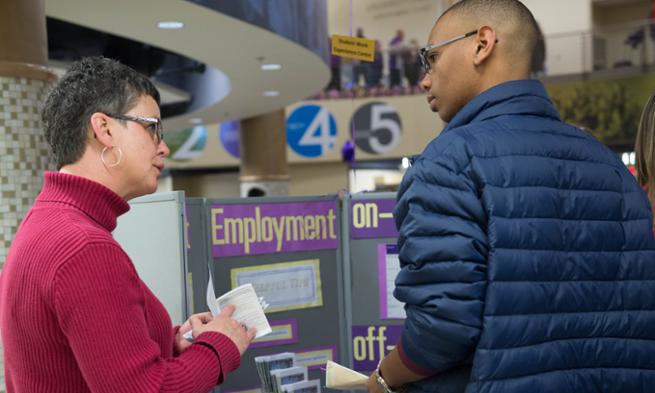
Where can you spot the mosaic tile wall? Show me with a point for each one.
(24, 153)
(24, 156)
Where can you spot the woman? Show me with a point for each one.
(74, 314)
(645, 150)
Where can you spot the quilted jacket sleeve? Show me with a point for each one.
(443, 252)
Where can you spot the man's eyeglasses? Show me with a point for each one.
(428, 57)
(153, 125)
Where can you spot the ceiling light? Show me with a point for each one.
(271, 67)
(196, 120)
(271, 93)
(170, 25)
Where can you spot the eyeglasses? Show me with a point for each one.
(153, 126)
(428, 57)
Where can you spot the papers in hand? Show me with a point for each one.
(249, 308)
(343, 378)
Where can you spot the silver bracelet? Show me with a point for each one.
(383, 383)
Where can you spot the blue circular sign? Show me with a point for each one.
(228, 133)
(311, 131)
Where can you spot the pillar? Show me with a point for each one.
(24, 80)
(264, 169)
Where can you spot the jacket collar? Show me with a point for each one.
(521, 97)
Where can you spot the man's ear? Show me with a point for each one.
(485, 44)
(100, 130)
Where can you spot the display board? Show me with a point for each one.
(152, 234)
(374, 316)
(197, 253)
(289, 249)
(325, 266)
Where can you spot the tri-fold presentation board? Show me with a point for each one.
(325, 265)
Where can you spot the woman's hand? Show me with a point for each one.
(223, 323)
(182, 343)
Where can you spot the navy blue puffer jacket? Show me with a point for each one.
(527, 255)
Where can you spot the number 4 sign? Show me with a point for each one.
(311, 131)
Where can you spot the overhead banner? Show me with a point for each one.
(251, 229)
(372, 218)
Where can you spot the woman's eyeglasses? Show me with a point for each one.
(153, 124)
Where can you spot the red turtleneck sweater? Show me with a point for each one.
(76, 317)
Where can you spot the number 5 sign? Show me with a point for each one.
(311, 131)
(377, 128)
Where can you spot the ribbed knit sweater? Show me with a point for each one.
(76, 317)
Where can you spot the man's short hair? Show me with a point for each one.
(506, 16)
(93, 84)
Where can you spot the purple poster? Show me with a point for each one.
(372, 343)
(372, 218)
(251, 229)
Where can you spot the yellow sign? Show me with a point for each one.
(353, 47)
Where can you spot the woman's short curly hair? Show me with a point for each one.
(93, 84)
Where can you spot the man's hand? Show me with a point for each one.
(373, 385)
(394, 372)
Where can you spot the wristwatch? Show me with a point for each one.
(383, 383)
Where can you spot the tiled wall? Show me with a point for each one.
(24, 153)
(24, 156)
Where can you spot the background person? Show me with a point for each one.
(645, 150)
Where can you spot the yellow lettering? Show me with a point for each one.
(279, 232)
(267, 229)
(381, 340)
(359, 348)
(250, 233)
(331, 220)
(370, 340)
(258, 215)
(321, 227)
(295, 227)
(215, 227)
(359, 220)
(310, 234)
(233, 230)
(372, 215)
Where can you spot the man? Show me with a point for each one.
(527, 257)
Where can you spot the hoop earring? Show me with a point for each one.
(104, 162)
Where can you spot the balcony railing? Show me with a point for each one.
(573, 53)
